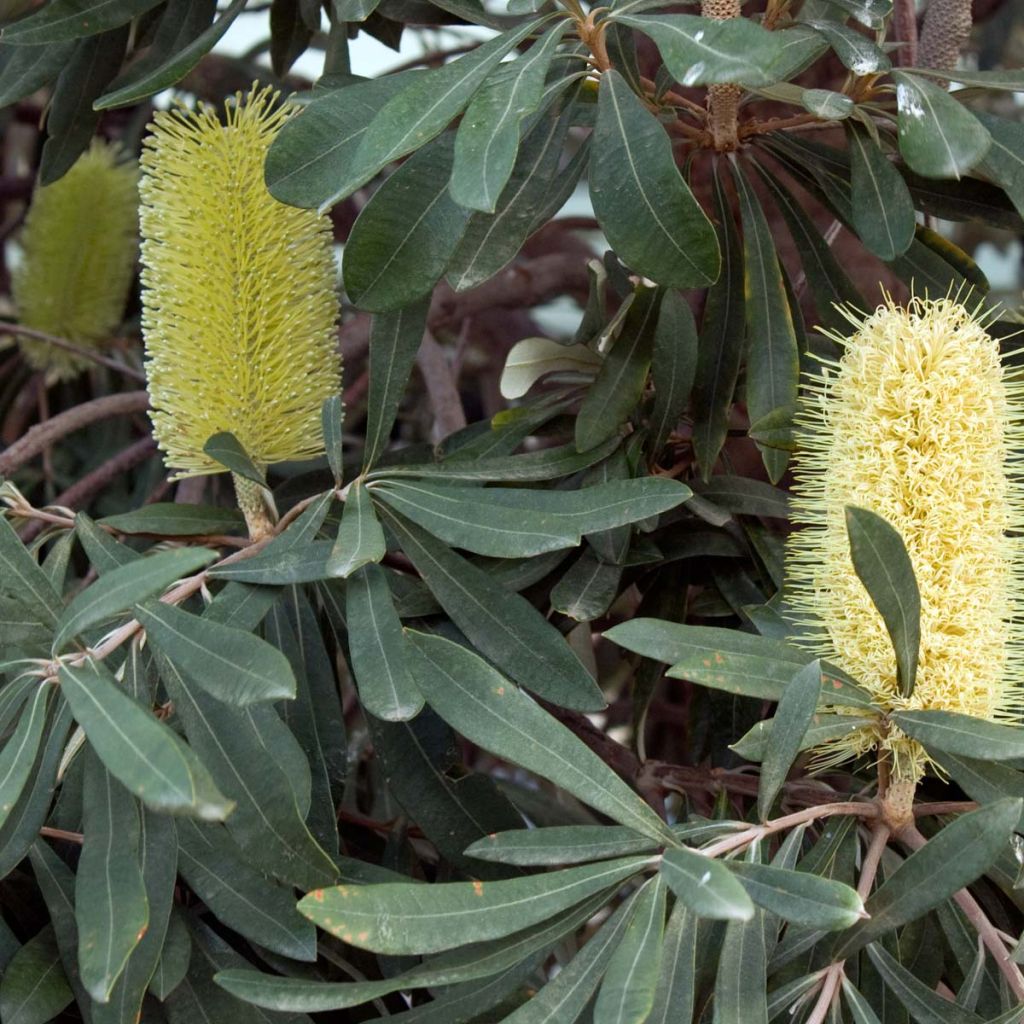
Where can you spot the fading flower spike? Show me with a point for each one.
(239, 302)
(79, 245)
(921, 423)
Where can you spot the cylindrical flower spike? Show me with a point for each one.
(921, 423)
(79, 246)
(239, 300)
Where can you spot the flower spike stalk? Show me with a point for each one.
(921, 423)
(79, 246)
(239, 300)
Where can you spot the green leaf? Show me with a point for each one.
(119, 589)
(360, 539)
(702, 51)
(588, 589)
(1009, 79)
(486, 708)
(28, 68)
(103, 552)
(963, 735)
(172, 519)
(241, 605)
(627, 991)
(720, 347)
(673, 365)
(860, 1009)
(488, 136)
(423, 110)
(885, 569)
(705, 886)
(111, 908)
(405, 235)
(773, 358)
(939, 137)
(62, 20)
(566, 844)
(533, 358)
(253, 756)
(951, 859)
(646, 209)
(826, 104)
(18, 755)
(984, 781)
(1004, 162)
(745, 495)
(240, 897)
(502, 625)
(142, 753)
(753, 745)
(23, 578)
(332, 419)
(619, 385)
(34, 988)
(881, 207)
(402, 917)
(378, 648)
(741, 980)
(923, 1003)
(789, 726)
(677, 979)
(313, 152)
(235, 666)
(853, 49)
(799, 896)
(175, 954)
(226, 449)
(175, 52)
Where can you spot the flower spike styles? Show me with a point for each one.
(79, 246)
(239, 300)
(921, 423)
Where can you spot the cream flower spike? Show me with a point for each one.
(79, 246)
(239, 300)
(921, 423)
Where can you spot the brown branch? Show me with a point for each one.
(42, 435)
(442, 389)
(69, 346)
(905, 27)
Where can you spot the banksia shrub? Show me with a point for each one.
(239, 303)
(916, 422)
(79, 245)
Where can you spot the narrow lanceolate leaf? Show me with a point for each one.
(789, 726)
(984, 781)
(226, 449)
(360, 539)
(27, 68)
(488, 709)
(799, 896)
(141, 752)
(883, 565)
(121, 588)
(677, 975)
(861, 1010)
(627, 991)
(773, 360)
(1004, 162)
(404, 917)
(754, 744)
(704, 885)
(922, 1002)
(488, 137)
(502, 625)
(171, 519)
(405, 235)
(21, 576)
(645, 208)
(741, 982)
(963, 735)
(939, 137)
(34, 988)
(880, 202)
(588, 588)
(62, 20)
(423, 109)
(563, 844)
(235, 666)
(111, 908)
(332, 419)
(18, 755)
(619, 385)
(720, 347)
(566, 996)
(379, 649)
(953, 858)
(673, 364)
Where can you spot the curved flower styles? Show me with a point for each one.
(79, 246)
(239, 302)
(920, 423)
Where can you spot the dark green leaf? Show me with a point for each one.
(753, 745)
(103, 551)
(172, 519)
(855, 50)
(705, 886)
(923, 1003)
(140, 751)
(175, 955)
(645, 208)
(880, 203)
(799, 896)
(587, 590)
(235, 666)
(984, 781)
(677, 978)
(34, 988)
(62, 20)
(860, 1008)
(673, 365)
(885, 569)
(226, 449)
(23, 578)
(27, 68)
(568, 844)
(360, 538)
(332, 418)
(1004, 162)
(964, 735)
(741, 981)
(19, 753)
(745, 496)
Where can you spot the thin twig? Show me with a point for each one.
(69, 346)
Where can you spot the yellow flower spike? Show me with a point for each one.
(921, 423)
(239, 301)
(79, 245)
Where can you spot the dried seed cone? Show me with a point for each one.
(239, 301)
(79, 245)
(921, 423)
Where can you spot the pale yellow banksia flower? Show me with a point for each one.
(921, 423)
(239, 301)
(79, 246)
